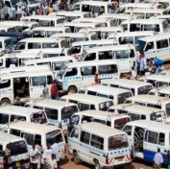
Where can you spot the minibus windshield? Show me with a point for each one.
(117, 142)
(140, 45)
(123, 96)
(38, 117)
(119, 123)
(54, 137)
(105, 105)
(17, 148)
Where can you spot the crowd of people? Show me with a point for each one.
(23, 9)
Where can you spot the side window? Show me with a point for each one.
(149, 46)
(128, 130)
(34, 45)
(28, 137)
(91, 56)
(4, 118)
(85, 137)
(107, 69)
(49, 79)
(161, 139)
(83, 106)
(88, 70)
(97, 142)
(20, 46)
(153, 137)
(5, 84)
(105, 55)
(71, 72)
(38, 81)
(38, 140)
(162, 44)
(51, 113)
(15, 132)
(86, 119)
(75, 133)
(14, 118)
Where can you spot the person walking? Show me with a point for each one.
(47, 155)
(133, 74)
(55, 151)
(54, 91)
(34, 157)
(142, 63)
(45, 92)
(158, 160)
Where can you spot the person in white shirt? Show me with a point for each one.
(53, 162)
(35, 157)
(158, 160)
(133, 74)
(47, 154)
(55, 151)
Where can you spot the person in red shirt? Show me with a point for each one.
(96, 78)
(54, 91)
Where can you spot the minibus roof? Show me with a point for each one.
(102, 29)
(135, 108)
(110, 47)
(89, 63)
(2, 38)
(17, 110)
(50, 103)
(18, 23)
(34, 40)
(7, 76)
(159, 78)
(41, 17)
(69, 13)
(80, 24)
(97, 3)
(151, 99)
(125, 83)
(164, 90)
(106, 89)
(33, 128)
(48, 28)
(146, 10)
(96, 42)
(135, 33)
(101, 114)
(100, 129)
(8, 138)
(115, 16)
(85, 98)
(151, 125)
(143, 21)
(51, 59)
(156, 37)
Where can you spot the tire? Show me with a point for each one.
(5, 101)
(97, 165)
(72, 89)
(76, 158)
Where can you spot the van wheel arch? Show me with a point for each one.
(76, 157)
(97, 164)
(5, 101)
(72, 89)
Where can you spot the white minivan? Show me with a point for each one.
(99, 145)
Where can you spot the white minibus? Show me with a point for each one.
(76, 37)
(137, 87)
(146, 137)
(77, 48)
(159, 102)
(88, 102)
(138, 112)
(48, 31)
(38, 134)
(162, 91)
(17, 149)
(124, 55)
(99, 145)
(155, 46)
(116, 94)
(96, 7)
(58, 112)
(130, 37)
(75, 28)
(44, 20)
(40, 43)
(17, 59)
(153, 24)
(5, 44)
(10, 113)
(24, 84)
(116, 121)
(158, 80)
(77, 75)
(55, 63)
(71, 15)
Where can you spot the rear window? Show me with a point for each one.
(119, 123)
(117, 142)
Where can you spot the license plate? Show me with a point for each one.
(17, 164)
(120, 159)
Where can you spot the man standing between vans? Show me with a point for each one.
(158, 160)
(54, 91)
(55, 151)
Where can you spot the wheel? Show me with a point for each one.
(5, 101)
(72, 89)
(97, 165)
(76, 158)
